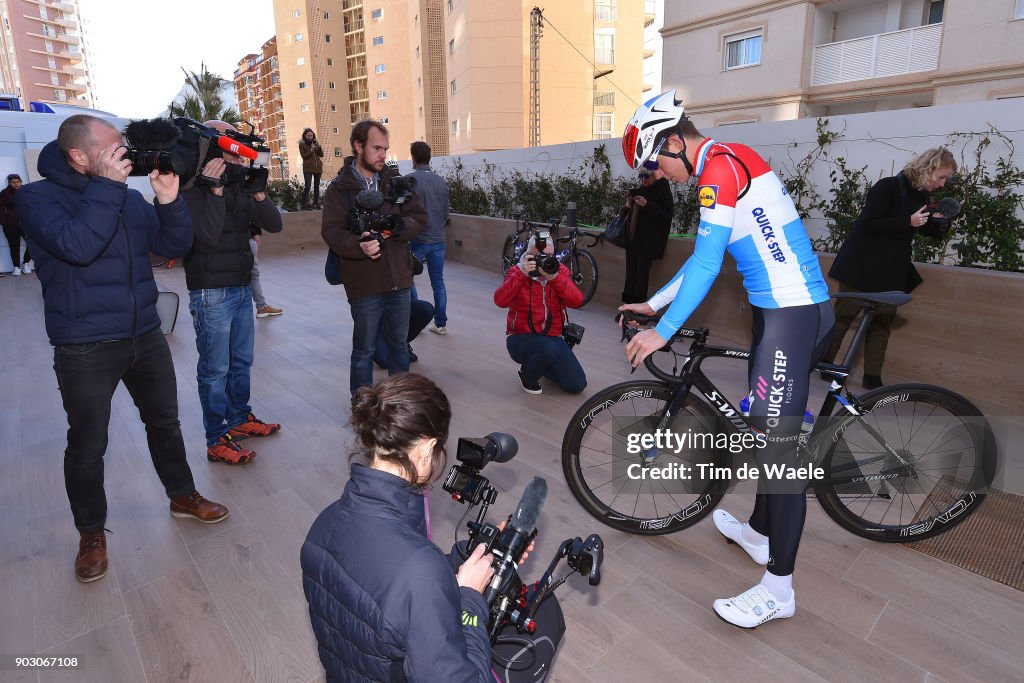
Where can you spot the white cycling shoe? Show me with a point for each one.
(732, 529)
(754, 607)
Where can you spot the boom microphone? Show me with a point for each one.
(235, 147)
(510, 545)
(524, 519)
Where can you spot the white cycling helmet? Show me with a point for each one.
(653, 121)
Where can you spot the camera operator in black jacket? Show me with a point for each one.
(385, 603)
(218, 272)
(877, 255)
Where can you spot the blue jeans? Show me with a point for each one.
(433, 255)
(388, 311)
(225, 327)
(546, 356)
(420, 313)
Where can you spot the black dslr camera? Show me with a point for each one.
(572, 333)
(512, 603)
(183, 147)
(547, 263)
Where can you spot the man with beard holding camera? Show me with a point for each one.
(375, 264)
(536, 300)
(91, 237)
(218, 272)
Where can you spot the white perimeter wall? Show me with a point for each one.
(881, 141)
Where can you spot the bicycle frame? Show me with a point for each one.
(691, 376)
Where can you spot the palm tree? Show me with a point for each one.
(201, 99)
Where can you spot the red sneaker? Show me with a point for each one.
(229, 452)
(253, 427)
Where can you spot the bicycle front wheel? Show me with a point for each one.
(917, 463)
(616, 485)
(583, 267)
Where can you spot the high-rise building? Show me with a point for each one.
(315, 88)
(258, 91)
(42, 53)
(589, 71)
(458, 73)
(758, 61)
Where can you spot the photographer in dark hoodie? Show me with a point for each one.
(91, 237)
(218, 272)
(377, 274)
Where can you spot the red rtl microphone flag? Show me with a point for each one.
(233, 147)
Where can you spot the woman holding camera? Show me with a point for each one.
(385, 603)
(877, 255)
(536, 294)
(312, 167)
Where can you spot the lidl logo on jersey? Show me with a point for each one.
(707, 195)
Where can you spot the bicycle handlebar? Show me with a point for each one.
(699, 335)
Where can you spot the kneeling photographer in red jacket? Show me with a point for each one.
(536, 294)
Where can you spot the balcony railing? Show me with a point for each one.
(604, 55)
(884, 54)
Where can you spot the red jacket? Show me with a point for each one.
(550, 298)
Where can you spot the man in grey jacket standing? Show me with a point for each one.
(430, 246)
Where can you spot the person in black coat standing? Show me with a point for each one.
(652, 202)
(877, 255)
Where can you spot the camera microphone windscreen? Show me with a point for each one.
(948, 207)
(369, 200)
(524, 519)
(234, 147)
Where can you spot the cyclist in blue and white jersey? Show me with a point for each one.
(745, 210)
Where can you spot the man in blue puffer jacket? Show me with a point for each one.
(91, 236)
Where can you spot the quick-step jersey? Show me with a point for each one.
(761, 230)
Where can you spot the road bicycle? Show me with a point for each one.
(901, 463)
(581, 263)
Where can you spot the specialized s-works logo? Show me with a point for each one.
(769, 235)
(707, 195)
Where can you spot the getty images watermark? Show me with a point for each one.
(683, 458)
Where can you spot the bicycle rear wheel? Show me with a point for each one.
(931, 469)
(583, 267)
(508, 257)
(596, 462)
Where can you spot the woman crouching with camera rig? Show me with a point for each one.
(536, 294)
(385, 603)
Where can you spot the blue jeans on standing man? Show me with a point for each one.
(225, 328)
(389, 311)
(433, 255)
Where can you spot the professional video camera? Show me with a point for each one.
(365, 215)
(513, 604)
(547, 263)
(183, 146)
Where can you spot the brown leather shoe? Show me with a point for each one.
(195, 506)
(91, 563)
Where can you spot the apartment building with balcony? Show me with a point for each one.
(457, 73)
(345, 61)
(742, 61)
(42, 52)
(258, 92)
(590, 71)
